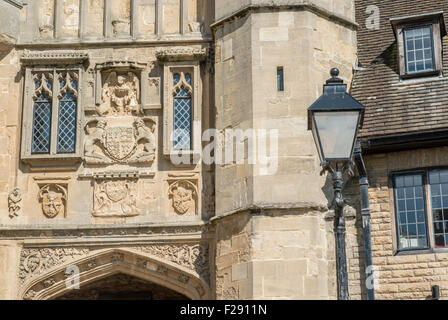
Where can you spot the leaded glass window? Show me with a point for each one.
(182, 111)
(67, 113)
(43, 88)
(54, 112)
(419, 49)
(410, 210)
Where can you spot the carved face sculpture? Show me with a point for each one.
(182, 199)
(52, 204)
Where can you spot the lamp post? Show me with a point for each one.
(334, 120)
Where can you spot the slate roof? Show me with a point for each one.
(393, 108)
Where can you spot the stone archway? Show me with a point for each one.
(122, 287)
(102, 264)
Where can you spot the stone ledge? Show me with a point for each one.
(54, 57)
(287, 5)
(181, 54)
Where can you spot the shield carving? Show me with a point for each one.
(120, 142)
(116, 190)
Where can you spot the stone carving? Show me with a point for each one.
(116, 257)
(181, 54)
(115, 198)
(14, 202)
(35, 261)
(54, 200)
(183, 195)
(49, 282)
(118, 231)
(162, 269)
(194, 257)
(29, 295)
(43, 79)
(195, 27)
(135, 143)
(68, 78)
(54, 57)
(120, 94)
(120, 143)
(146, 138)
(183, 278)
(94, 138)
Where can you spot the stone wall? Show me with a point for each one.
(249, 51)
(291, 244)
(275, 255)
(401, 276)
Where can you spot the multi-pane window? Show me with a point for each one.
(410, 208)
(43, 96)
(419, 49)
(55, 109)
(421, 207)
(438, 181)
(182, 111)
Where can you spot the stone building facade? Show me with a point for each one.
(100, 100)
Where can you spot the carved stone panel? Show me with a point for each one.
(120, 94)
(53, 198)
(115, 198)
(183, 195)
(123, 140)
(14, 202)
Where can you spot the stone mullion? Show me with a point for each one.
(134, 15)
(58, 18)
(28, 112)
(82, 18)
(98, 87)
(183, 15)
(54, 114)
(79, 112)
(159, 19)
(107, 18)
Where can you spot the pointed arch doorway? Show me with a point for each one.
(118, 274)
(121, 286)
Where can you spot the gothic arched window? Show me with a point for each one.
(43, 96)
(182, 111)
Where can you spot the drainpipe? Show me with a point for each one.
(365, 212)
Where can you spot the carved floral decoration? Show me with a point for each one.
(36, 261)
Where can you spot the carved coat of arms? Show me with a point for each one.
(183, 195)
(120, 142)
(116, 190)
(115, 198)
(107, 144)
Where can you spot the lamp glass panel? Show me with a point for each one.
(337, 132)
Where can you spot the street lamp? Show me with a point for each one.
(334, 120)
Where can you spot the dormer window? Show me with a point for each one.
(419, 49)
(419, 44)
